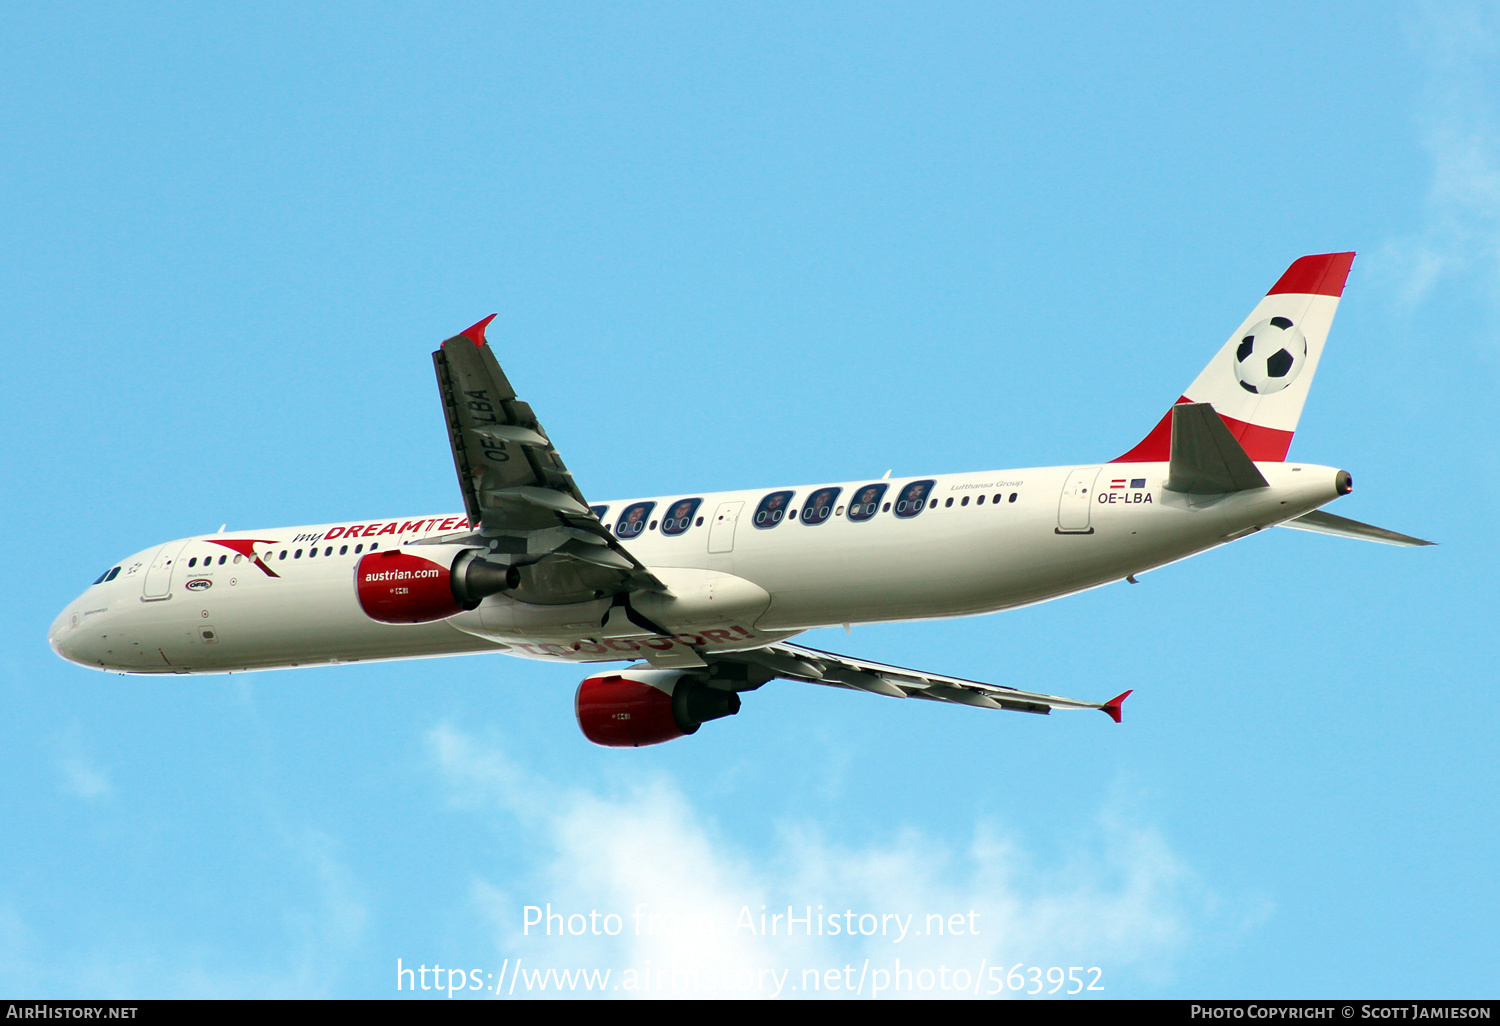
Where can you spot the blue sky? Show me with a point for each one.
(734, 246)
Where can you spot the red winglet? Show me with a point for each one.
(475, 333)
(1113, 705)
(1321, 275)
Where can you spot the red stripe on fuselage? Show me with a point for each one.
(1268, 445)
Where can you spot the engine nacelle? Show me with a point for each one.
(630, 708)
(402, 586)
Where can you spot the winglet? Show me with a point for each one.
(475, 333)
(1113, 705)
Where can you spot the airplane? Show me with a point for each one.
(701, 592)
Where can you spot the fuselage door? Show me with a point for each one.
(721, 531)
(158, 580)
(1077, 498)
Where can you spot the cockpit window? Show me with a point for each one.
(772, 509)
(680, 516)
(866, 502)
(599, 511)
(820, 506)
(913, 498)
(108, 575)
(633, 520)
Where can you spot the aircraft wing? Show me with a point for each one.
(517, 491)
(796, 662)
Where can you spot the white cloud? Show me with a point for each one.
(84, 780)
(1461, 230)
(82, 777)
(1120, 899)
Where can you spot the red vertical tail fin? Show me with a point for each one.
(1259, 379)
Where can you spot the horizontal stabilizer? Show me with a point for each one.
(1205, 458)
(1326, 523)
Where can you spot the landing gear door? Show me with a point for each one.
(1077, 501)
(158, 580)
(721, 531)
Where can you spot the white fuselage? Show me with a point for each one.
(258, 600)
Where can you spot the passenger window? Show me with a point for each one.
(948, 503)
(680, 516)
(343, 550)
(374, 546)
(979, 501)
(819, 506)
(312, 552)
(965, 502)
(698, 522)
(599, 511)
(237, 558)
(1013, 496)
(191, 563)
(283, 553)
(358, 549)
(866, 502)
(297, 554)
(633, 520)
(328, 551)
(998, 498)
(912, 498)
(772, 509)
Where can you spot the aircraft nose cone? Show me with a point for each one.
(69, 640)
(57, 635)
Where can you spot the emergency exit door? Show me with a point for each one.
(1074, 507)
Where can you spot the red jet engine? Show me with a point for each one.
(400, 586)
(630, 708)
